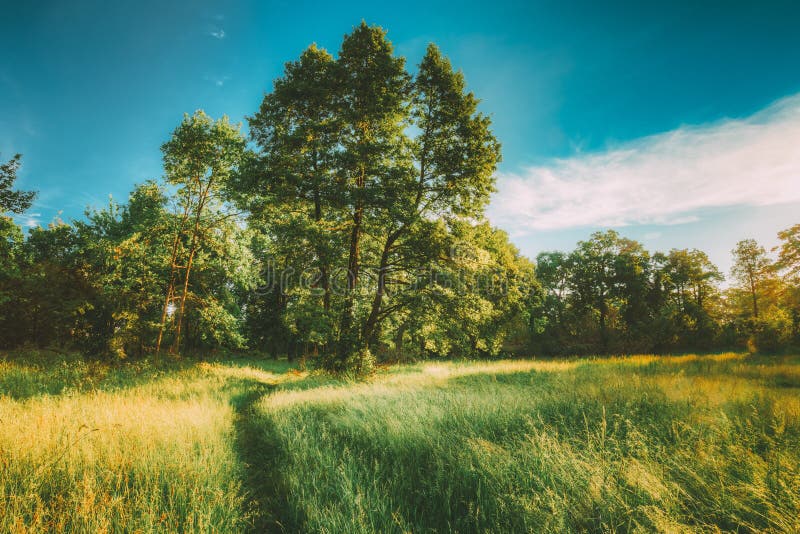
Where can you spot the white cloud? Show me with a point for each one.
(662, 179)
(218, 34)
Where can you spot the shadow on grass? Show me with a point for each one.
(258, 446)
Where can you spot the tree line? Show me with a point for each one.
(349, 226)
(610, 295)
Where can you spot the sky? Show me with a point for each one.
(675, 124)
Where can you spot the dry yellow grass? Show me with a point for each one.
(152, 457)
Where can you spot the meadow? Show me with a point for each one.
(635, 444)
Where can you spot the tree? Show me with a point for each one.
(594, 277)
(691, 276)
(689, 283)
(789, 252)
(473, 303)
(44, 289)
(126, 252)
(11, 200)
(612, 295)
(789, 264)
(553, 272)
(750, 269)
(298, 132)
(373, 90)
(454, 158)
(294, 196)
(551, 317)
(12, 253)
(339, 172)
(199, 160)
(124, 249)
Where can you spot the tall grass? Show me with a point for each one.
(92, 448)
(640, 444)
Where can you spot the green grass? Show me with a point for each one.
(678, 444)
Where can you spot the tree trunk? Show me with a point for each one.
(348, 337)
(603, 328)
(170, 293)
(192, 250)
(398, 339)
(370, 327)
(323, 266)
(755, 298)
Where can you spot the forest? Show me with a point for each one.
(347, 228)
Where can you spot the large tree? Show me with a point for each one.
(357, 161)
(454, 158)
(373, 92)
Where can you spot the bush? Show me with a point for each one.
(773, 333)
(360, 362)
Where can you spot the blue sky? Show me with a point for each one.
(678, 124)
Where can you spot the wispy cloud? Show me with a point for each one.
(667, 178)
(219, 81)
(28, 220)
(32, 219)
(217, 34)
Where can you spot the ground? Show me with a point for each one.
(644, 443)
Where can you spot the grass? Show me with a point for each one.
(98, 448)
(639, 444)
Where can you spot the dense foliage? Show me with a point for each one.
(351, 228)
(611, 296)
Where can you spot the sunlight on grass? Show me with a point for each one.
(253, 373)
(407, 378)
(643, 443)
(155, 457)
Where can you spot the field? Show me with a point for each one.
(645, 443)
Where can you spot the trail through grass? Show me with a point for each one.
(257, 459)
(641, 444)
